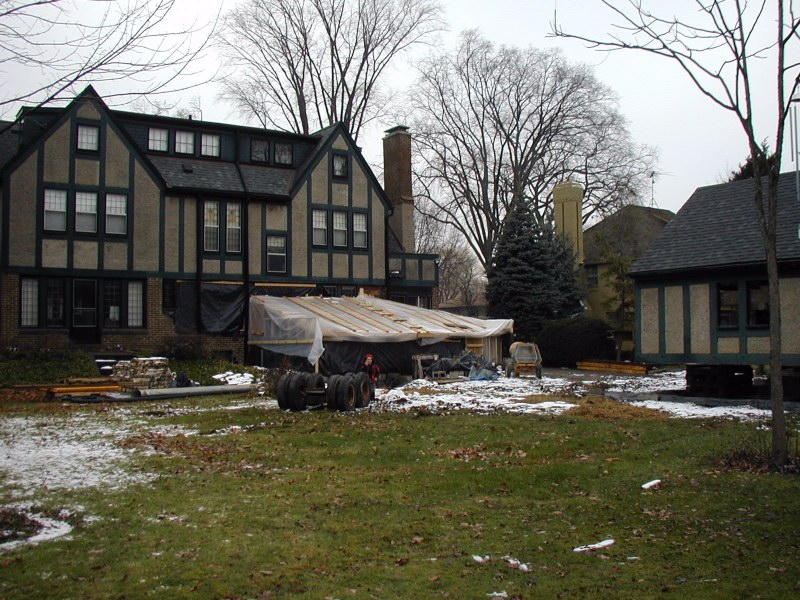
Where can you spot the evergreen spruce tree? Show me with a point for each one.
(533, 278)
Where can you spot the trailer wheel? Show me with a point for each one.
(297, 392)
(330, 391)
(283, 395)
(363, 389)
(346, 394)
(316, 381)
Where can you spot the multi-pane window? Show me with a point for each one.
(88, 138)
(340, 166)
(55, 210)
(349, 291)
(86, 212)
(209, 144)
(339, 228)
(283, 153)
(211, 226)
(319, 235)
(259, 151)
(135, 304)
(184, 142)
(757, 304)
(276, 254)
(359, 230)
(112, 304)
(158, 139)
(116, 214)
(54, 308)
(84, 303)
(29, 303)
(233, 230)
(727, 305)
(592, 277)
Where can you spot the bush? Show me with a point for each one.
(40, 366)
(563, 343)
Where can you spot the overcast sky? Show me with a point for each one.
(698, 142)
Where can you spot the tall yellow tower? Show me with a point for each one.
(568, 203)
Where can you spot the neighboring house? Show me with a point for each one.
(124, 230)
(622, 236)
(701, 287)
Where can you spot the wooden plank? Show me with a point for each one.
(615, 367)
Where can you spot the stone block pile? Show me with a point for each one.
(144, 373)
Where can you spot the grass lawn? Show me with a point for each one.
(383, 505)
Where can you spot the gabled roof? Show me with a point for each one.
(629, 232)
(718, 228)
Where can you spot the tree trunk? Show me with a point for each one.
(780, 450)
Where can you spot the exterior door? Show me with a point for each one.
(84, 326)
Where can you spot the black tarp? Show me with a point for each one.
(221, 307)
(391, 357)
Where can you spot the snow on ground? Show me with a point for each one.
(81, 449)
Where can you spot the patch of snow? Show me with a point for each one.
(49, 529)
(687, 410)
(597, 546)
(651, 484)
(231, 378)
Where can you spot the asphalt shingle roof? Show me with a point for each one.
(718, 227)
(9, 143)
(629, 231)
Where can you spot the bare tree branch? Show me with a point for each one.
(306, 64)
(493, 125)
(64, 43)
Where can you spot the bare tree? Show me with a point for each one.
(460, 276)
(58, 44)
(722, 46)
(493, 125)
(306, 64)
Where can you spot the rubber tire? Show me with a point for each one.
(315, 381)
(297, 392)
(346, 394)
(330, 391)
(283, 395)
(363, 389)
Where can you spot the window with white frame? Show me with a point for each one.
(158, 139)
(55, 210)
(88, 138)
(233, 230)
(184, 142)
(211, 226)
(116, 214)
(319, 233)
(339, 228)
(209, 144)
(86, 212)
(359, 230)
(29, 303)
(276, 254)
(135, 304)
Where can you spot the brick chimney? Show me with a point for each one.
(397, 183)
(567, 209)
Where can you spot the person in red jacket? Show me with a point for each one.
(370, 368)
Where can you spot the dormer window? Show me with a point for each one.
(184, 142)
(283, 153)
(88, 138)
(259, 151)
(158, 140)
(209, 145)
(340, 166)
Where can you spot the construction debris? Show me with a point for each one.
(144, 373)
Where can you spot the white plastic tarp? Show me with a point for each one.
(299, 326)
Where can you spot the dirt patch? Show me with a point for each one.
(598, 407)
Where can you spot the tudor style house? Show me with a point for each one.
(124, 230)
(701, 288)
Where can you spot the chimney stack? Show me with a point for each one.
(568, 214)
(397, 183)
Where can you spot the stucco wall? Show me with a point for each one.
(649, 321)
(117, 161)
(298, 247)
(146, 235)
(22, 214)
(728, 345)
(673, 306)
(700, 315)
(172, 227)
(56, 148)
(790, 309)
